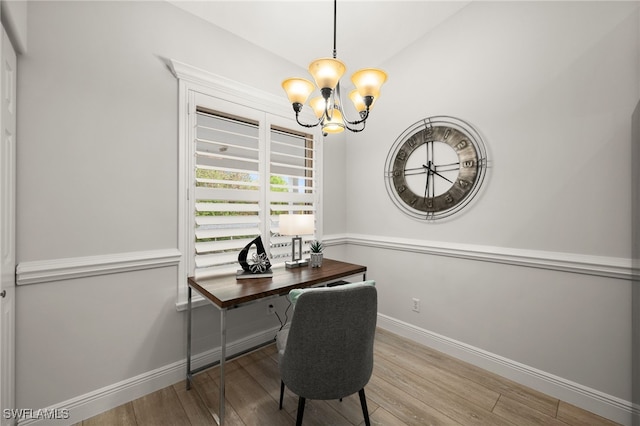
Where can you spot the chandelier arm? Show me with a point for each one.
(328, 116)
(307, 125)
(363, 118)
(353, 129)
(363, 115)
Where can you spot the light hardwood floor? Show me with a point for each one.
(411, 385)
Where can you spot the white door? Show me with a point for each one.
(7, 227)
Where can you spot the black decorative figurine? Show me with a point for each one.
(260, 260)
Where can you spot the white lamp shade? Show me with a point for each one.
(297, 224)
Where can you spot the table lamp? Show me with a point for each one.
(296, 225)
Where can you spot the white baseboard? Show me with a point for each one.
(597, 402)
(108, 397)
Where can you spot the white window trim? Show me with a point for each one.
(192, 80)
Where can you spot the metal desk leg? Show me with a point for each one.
(188, 337)
(223, 356)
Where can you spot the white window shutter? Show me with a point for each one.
(233, 203)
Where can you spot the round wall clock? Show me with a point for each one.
(435, 167)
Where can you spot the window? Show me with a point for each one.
(243, 161)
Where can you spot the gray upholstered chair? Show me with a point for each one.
(327, 352)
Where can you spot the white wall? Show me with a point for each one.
(551, 86)
(97, 172)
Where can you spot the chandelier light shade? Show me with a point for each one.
(326, 73)
(318, 106)
(335, 124)
(369, 81)
(298, 89)
(358, 101)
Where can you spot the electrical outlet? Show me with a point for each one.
(416, 305)
(270, 309)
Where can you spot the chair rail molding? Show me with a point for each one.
(611, 267)
(42, 271)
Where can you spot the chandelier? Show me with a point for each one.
(328, 107)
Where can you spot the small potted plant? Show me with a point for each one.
(316, 248)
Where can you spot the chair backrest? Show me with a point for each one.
(329, 349)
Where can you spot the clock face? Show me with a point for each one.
(435, 168)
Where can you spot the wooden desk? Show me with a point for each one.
(225, 292)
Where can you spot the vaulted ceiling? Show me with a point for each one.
(368, 31)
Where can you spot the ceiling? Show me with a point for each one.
(369, 32)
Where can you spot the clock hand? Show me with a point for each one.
(426, 188)
(433, 171)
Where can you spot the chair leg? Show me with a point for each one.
(281, 393)
(301, 402)
(365, 410)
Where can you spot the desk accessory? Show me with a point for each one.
(316, 255)
(296, 225)
(260, 266)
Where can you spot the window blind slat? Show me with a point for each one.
(223, 194)
(218, 246)
(207, 260)
(291, 197)
(225, 232)
(213, 183)
(216, 156)
(228, 220)
(291, 208)
(226, 207)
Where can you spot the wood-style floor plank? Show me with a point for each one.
(522, 415)
(443, 379)
(407, 407)
(264, 370)
(252, 402)
(351, 409)
(208, 390)
(382, 417)
(411, 385)
(440, 398)
(501, 385)
(122, 415)
(320, 413)
(160, 407)
(575, 416)
(195, 408)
